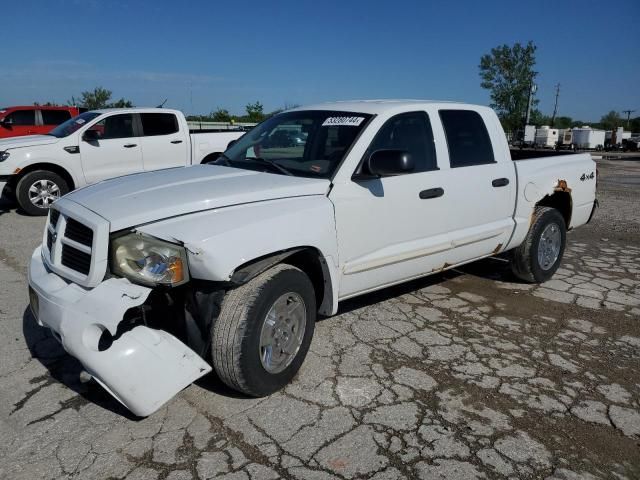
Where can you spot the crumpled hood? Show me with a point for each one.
(26, 141)
(147, 197)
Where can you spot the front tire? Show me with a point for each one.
(264, 331)
(540, 254)
(37, 190)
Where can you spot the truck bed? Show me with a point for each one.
(529, 153)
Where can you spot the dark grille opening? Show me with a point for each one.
(53, 216)
(76, 260)
(49, 239)
(78, 232)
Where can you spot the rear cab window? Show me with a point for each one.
(467, 138)
(54, 117)
(154, 124)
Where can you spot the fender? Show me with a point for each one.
(234, 244)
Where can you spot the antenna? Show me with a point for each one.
(162, 104)
(628, 112)
(555, 107)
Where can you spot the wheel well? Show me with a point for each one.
(307, 259)
(51, 167)
(211, 157)
(562, 202)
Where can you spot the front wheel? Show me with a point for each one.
(37, 190)
(264, 330)
(540, 254)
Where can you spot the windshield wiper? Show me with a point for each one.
(272, 164)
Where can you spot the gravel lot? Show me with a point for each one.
(464, 375)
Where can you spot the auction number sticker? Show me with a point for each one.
(343, 121)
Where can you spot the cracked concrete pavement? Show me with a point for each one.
(468, 374)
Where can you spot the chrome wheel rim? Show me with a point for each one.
(549, 246)
(282, 332)
(43, 193)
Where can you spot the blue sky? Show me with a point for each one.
(204, 54)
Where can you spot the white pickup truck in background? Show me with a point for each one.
(152, 280)
(98, 145)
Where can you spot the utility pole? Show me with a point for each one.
(628, 112)
(532, 90)
(555, 107)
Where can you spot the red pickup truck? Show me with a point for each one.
(33, 120)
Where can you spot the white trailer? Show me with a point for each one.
(546, 136)
(588, 138)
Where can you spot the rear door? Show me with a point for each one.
(480, 184)
(392, 229)
(19, 123)
(163, 144)
(116, 152)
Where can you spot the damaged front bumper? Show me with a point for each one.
(142, 367)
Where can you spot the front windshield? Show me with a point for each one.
(308, 143)
(67, 128)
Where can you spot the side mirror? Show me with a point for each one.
(90, 136)
(386, 163)
(6, 122)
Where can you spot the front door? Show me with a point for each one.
(19, 123)
(115, 152)
(392, 229)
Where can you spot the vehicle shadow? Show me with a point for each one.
(8, 204)
(65, 369)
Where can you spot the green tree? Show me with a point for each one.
(538, 118)
(563, 122)
(255, 112)
(611, 120)
(221, 115)
(99, 98)
(507, 72)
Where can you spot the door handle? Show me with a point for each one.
(130, 145)
(500, 182)
(176, 141)
(431, 193)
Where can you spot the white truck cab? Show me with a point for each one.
(98, 145)
(152, 280)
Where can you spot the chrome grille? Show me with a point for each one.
(76, 259)
(49, 239)
(78, 232)
(69, 243)
(54, 215)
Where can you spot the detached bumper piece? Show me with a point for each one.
(142, 367)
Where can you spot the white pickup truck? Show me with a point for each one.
(151, 280)
(98, 145)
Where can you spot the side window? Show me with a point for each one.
(467, 138)
(410, 132)
(158, 124)
(22, 117)
(115, 126)
(54, 117)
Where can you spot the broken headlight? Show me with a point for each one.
(149, 261)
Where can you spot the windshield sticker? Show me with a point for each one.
(80, 121)
(340, 121)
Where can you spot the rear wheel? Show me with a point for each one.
(37, 190)
(540, 254)
(264, 330)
